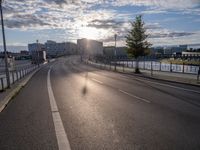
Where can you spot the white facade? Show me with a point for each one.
(191, 53)
(90, 47)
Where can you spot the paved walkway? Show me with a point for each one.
(171, 76)
(8, 94)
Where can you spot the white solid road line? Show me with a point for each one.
(93, 79)
(62, 140)
(142, 99)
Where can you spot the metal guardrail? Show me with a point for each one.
(161, 66)
(15, 76)
(154, 65)
(148, 65)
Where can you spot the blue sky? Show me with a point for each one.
(168, 22)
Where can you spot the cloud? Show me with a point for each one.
(25, 21)
(152, 26)
(68, 14)
(170, 34)
(165, 4)
(177, 40)
(105, 24)
(71, 16)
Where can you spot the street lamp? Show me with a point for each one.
(37, 53)
(4, 45)
(115, 45)
(115, 50)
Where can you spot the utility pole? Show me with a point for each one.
(4, 45)
(115, 51)
(37, 53)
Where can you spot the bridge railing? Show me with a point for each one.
(15, 76)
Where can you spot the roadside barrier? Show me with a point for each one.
(15, 76)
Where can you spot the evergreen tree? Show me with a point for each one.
(136, 40)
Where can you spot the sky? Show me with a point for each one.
(167, 22)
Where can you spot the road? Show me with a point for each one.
(69, 104)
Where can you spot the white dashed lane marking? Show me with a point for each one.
(131, 95)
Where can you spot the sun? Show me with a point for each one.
(89, 33)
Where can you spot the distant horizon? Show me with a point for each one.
(18, 48)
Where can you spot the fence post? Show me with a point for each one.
(17, 75)
(2, 85)
(115, 64)
(123, 65)
(25, 71)
(20, 74)
(198, 74)
(160, 65)
(144, 64)
(132, 63)
(151, 69)
(183, 68)
(170, 66)
(13, 79)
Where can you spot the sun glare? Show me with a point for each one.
(89, 33)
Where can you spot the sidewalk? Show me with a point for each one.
(172, 76)
(190, 79)
(8, 94)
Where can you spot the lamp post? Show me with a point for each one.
(115, 51)
(38, 53)
(4, 45)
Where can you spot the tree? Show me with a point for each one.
(136, 40)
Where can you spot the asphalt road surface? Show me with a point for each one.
(69, 105)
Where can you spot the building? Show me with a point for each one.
(191, 54)
(35, 47)
(175, 49)
(51, 47)
(59, 49)
(24, 52)
(90, 47)
(157, 50)
(110, 51)
(71, 48)
(193, 46)
(38, 56)
(37, 52)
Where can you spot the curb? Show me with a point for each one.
(9, 97)
(159, 79)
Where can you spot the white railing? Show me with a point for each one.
(15, 76)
